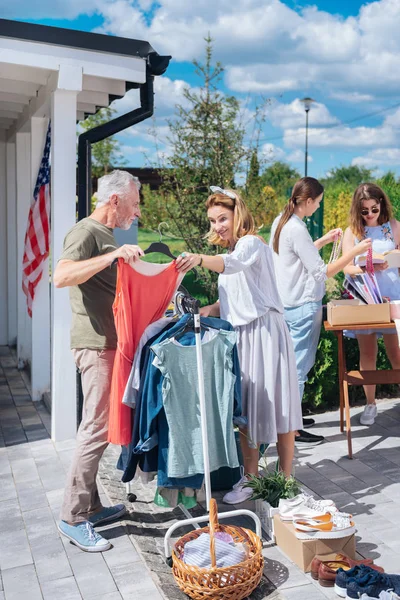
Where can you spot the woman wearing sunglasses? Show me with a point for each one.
(301, 274)
(371, 216)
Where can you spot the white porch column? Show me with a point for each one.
(24, 324)
(11, 243)
(63, 217)
(3, 243)
(40, 370)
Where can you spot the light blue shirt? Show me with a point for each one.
(182, 404)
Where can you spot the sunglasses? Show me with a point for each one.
(365, 211)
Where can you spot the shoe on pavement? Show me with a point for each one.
(305, 439)
(324, 567)
(107, 514)
(369, 414)
(372, 584)
(239, 493)
(84, 536)
(303, 505)
(343, 577)
(308, 422)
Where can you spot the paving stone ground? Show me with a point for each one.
(36, 563)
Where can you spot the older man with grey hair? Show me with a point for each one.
(86, 266)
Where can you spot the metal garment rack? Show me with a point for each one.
(204, 436)
(191, 305)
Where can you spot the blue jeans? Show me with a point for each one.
(304, 324)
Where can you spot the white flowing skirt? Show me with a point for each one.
(270, 390)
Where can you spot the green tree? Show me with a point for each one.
(253, 178)
(351, 175)
(391, 186)
(106, 154)
(207, 148)
(281, 177)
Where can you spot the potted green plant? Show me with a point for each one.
(268, 489)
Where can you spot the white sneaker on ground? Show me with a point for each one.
(368, 415)
(239, 493)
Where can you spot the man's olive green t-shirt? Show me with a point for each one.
(91, 302)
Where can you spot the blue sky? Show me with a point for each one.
(343, 53)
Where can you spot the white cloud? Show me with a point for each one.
(388, 157)
(270, 152)
(293, 114)
(342, 137)
(352, 97)
(297, 156)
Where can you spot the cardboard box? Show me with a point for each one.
(354, 312)
(302, 552)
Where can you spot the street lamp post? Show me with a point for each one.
(307, 102)
(315, 223)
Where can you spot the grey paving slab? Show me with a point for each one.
(14, 550)
(7, 487)
(51, 561)
(21, 583)
(60, 589)
(92, 574)
(31, 495)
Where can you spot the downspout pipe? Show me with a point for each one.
(156, 65)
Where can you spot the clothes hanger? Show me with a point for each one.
(160, 246)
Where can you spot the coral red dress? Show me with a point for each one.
(142, 296)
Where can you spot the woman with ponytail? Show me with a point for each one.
(301, 275)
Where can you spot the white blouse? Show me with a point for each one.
(247, 287)
(299, 268)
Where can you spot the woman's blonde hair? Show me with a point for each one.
(243, 221)
(368, 191)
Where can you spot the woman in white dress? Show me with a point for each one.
(249, 299)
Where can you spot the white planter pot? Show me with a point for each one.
(266, 513)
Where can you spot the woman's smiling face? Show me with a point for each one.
(221, 221)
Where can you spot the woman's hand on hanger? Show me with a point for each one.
(187, 261)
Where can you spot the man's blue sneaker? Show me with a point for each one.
(372, 584)
(343, 576)
(108, 514)
(84, 536)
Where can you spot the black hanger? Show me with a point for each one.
(160, 246)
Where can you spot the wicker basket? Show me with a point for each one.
(226, 583)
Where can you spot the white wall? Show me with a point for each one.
(12, 243)
(24, 324)
(3, 244)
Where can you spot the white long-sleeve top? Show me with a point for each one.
(247, 287)
(300, 270)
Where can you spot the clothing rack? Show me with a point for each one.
(188, 304)
(194, 309)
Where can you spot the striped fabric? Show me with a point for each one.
(197, 552)
(37, 235)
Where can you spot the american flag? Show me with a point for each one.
(37, 235)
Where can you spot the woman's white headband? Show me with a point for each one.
(217, 190)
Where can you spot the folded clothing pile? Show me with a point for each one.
(227, 552)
